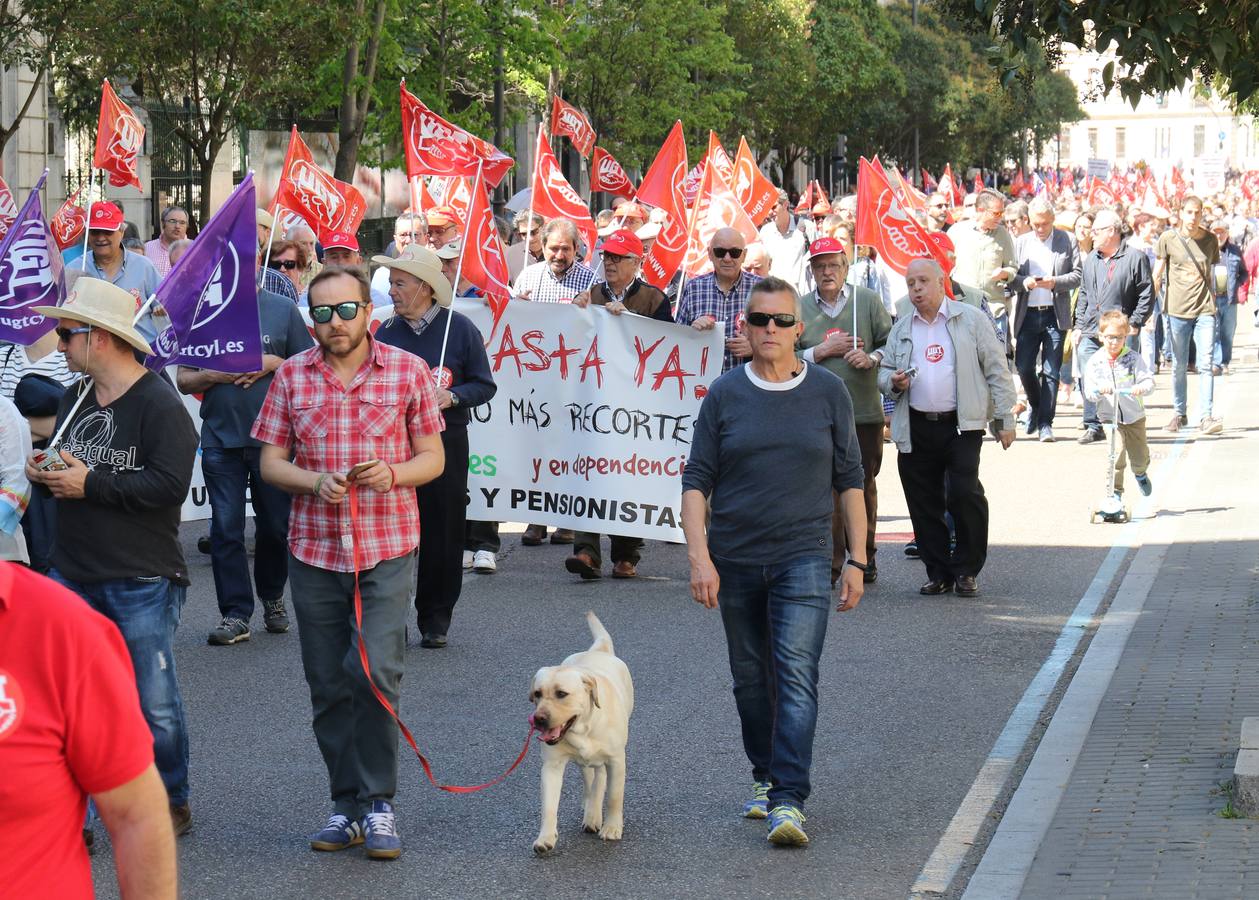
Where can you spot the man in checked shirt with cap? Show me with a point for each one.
(352, 420)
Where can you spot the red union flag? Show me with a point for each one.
(1250, 184)
(908, 194)
(662, 187)
(119, 139)
(1100, 193)
(8, 209)
(325, 203)
(569, 120)
(455, 192)
(718, 157)
(690, 187)
(434, 146)
(930, 184)
(714, 209)
(607, 175)
(756, 193)
(1178, 184)
(554, 197)
(884, 224)
(948, 185)
(484, 262)
(421, 199)
(68, 224)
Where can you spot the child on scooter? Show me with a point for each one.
(1116, 379)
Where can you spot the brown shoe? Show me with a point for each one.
(581, 564)
(534, 535)
(624, 569)
(966, 586)
(1176, 423)
(181, 819)
(562, 536)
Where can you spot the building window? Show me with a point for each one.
(1121, 150)
(1199, 139)
(1163, 143)
(1093, 143)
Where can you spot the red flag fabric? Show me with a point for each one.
(1250, 184)
(662, 187)
(68, 223)
(421, 199)
(908, 194)
(929, 183)
(715, 208)
(456, 192)
(805, 204)
(119, 139)
(433, 146)
(325, 203)
(1018, 185)
(554, 197)
(1068, 178)
(1099, 193)
(484, 261)
(949, 184)
(8, 208)
(1178, 184)
(756, 193)
(718, 157)
(979, 183)
(690, 187)
(568, 120)
(606, 174)
(884, 224)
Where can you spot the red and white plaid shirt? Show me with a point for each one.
(331, 428)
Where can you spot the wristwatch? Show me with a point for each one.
(454, 399)
(861, 567)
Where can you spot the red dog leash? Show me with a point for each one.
(384, 701)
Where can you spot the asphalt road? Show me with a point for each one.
(914, 692)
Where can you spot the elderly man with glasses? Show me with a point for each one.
(174, 228)
(721, 295)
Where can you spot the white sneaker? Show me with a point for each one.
(485, 562)
(468, 558)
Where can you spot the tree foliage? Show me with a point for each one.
(32, 35)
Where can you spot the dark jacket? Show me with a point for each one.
(1121, 282)
(1067, 271)
(642, 299)
(1235, 266)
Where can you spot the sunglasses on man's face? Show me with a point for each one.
(322, 315)
(761, 320)
(64, 334)
(723, 252)
(289, 264)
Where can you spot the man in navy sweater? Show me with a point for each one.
(421, 300)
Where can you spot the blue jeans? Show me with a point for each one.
(1039, 334)
(775, 620)
(1084, 352)
(1225, 327)
(228, 471)
(1200, 330)
(146, 611)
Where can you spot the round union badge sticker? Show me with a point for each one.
(935, 353)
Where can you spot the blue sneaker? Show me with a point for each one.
(758, 806)
(1144, 483)
(380, 830)
(338, 834)
(786, 827)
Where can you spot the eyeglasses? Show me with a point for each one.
(289, 264)
(175, 222)
(760, 319)
(723, 252)
(613, 259)
(1113, 337)
(322, 315)
(1102, 229)
(64, 334)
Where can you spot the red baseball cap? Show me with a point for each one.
(343, 239)
(106, 217)
(944, 243)
(623, 242)
(825, 245)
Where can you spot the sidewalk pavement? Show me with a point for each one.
(1127, 795)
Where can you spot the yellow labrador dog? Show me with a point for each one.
(582, 710)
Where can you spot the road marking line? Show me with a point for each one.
(945, 861)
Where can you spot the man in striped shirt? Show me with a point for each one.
(559, 277)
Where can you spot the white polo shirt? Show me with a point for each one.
(934, 388)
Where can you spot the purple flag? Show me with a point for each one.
(209, 299)
(31, 274)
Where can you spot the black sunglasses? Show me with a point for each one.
(723, 252)
(760, 319)
(322, 315)
(289, 264)
(64, 334)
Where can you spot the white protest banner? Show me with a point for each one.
(1099, 168)
(592, 422)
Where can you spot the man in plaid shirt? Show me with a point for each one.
(559, 277)
(721, 295)
(352, 415)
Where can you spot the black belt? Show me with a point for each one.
(950, 416)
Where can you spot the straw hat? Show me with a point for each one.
(101, 305)
(422, 263)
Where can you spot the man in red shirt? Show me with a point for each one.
(70, 724)
(351, 426)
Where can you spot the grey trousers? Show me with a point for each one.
(356, 735)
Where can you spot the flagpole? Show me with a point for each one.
(537, 144)
(463, 248)
(87, 228)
